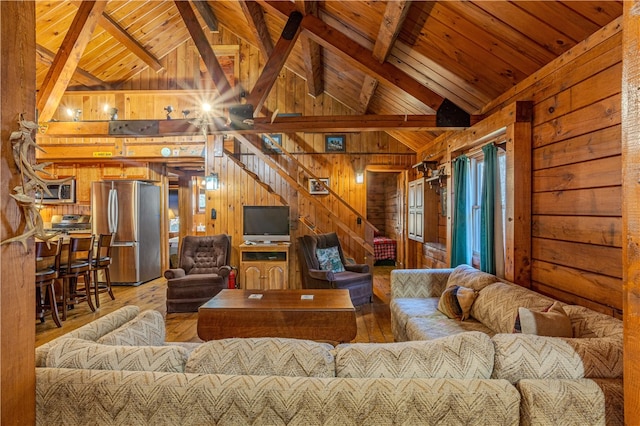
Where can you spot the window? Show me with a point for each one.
(475, 182)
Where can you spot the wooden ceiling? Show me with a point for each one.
(376, 57)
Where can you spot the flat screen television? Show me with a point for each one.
(265, 224)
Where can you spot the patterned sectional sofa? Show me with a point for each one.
(118, 370)
(561, 380)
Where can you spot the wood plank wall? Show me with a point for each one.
(237, 188)
(576, 177)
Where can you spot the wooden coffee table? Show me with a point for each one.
(326, 315)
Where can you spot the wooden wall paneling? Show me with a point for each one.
(587, 174)
(604, 289)
(604, 231)
(575, 299)
(631, 209)
(594, 88)
(579, 256)
(597, 144)
(599, 115)
(579, 202)
(17, 271)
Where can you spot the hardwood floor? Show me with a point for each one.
(374, 324)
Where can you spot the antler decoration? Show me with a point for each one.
(22, 141)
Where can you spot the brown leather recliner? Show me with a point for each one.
(356, 277)
(203, 271)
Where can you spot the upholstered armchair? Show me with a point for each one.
(203, 270)
(323, 266)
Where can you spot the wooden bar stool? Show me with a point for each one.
(79, 256)
(101, 262)
(47, 266)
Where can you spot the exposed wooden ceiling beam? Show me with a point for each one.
(275, 63)
(206, 51)
(120, 34)
(45, 56)
(315, 124)
(311, 54)
(394, 16)
(255, 16)
(360, 57)
(207, 14)
(129, 42)
(66, 61)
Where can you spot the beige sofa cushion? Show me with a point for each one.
(571, 402)
(145, 398)
(588, 323)
(83, 354)
(520, 356)
(147, 329)
(92, 331)
(264, 357)
(461, 356)
(497, 305)
(470, 277)
(434, 327)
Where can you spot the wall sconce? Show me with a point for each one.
(359, 177)
(212, 182)
(74, 113)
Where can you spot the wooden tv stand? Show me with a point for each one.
(264, 266)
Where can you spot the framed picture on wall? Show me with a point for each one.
(271, 143)
(316, 188)
(334, 143)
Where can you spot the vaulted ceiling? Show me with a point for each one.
(376, 57)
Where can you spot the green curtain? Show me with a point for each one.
(487, 209)
(461, 244)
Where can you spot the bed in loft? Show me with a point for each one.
(384, 249)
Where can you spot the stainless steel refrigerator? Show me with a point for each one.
(131, 209)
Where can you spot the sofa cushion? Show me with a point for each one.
(552, 321)
(588, 323)
(145, 329)
(462, 356)
(456, 302)
(263, 357)
(467, 276)
(526, 356)
(77, 353)
(571, 402)
(329, 259)
(436, 326)
(497, 305)
(135, 397)
(92, 331)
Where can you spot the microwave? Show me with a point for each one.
(60, 193)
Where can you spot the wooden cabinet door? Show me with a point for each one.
(84, 176)
(140, 171)
(112, 171)
(276, 274)
(415, 225)
(251, 276)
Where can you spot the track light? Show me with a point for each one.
(74, 113)
(113, 113)
(169, 110)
